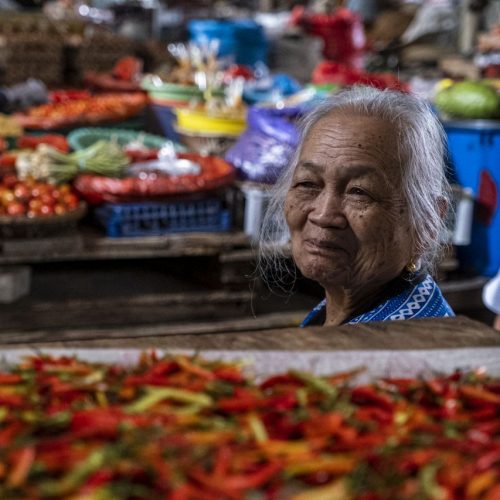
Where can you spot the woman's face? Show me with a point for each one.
(345, 209)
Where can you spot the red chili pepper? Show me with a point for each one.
(280, 402)
(222, 461)
(368, 395)
(97, 479)
(229, 374)
(191, 492)
(493, 493)
(232, 485)
(287, 379)
(22, 461)
(478, 395)
(484, 462)
(242, 400)
(10, 378)
(373, 413)
(96, 422)
(9, 432)
(12, 400)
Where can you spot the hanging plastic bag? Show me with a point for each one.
(266, 146)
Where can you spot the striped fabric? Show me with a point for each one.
(418, 298)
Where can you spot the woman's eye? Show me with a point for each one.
(306, 184)
(356, 191)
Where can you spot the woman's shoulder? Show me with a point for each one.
(417, 296)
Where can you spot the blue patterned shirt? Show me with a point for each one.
(418, 298)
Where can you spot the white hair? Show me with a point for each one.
(420, 149)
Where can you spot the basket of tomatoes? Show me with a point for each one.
(34, 209)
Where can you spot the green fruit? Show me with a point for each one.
(469, 100)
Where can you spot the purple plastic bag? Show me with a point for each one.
(266, 146)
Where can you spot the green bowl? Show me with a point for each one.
(172, 90)
(84, 137)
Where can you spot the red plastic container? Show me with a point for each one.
(342, 33)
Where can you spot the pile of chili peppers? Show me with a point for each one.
(185, 428)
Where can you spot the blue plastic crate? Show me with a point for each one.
(474, 147)
(153, 219)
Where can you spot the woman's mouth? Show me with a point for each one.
(323, 247)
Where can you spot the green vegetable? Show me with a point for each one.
(75, 477)
(316, 383)
(47, 163)
(469, 99)
(156, 394)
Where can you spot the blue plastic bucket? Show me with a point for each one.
(211, 29)
(474, 148)
(243, 40)
(251, 43)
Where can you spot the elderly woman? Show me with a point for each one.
(364, 204)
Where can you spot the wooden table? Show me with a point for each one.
(445, 333)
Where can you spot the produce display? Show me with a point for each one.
(95, 109)
(214, 173)
(30, 198)
(180, 427)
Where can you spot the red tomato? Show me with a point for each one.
(22, 192)
(70, 200)
(56, 194)
(9, 180)
(16, 208)
(47, 199)
(64, 188)
(60, 209)
(35, 204)
(46, 210)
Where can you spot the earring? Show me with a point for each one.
(412, 267)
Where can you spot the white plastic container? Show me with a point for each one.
(15, 283)
(256, 200)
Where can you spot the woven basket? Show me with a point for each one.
(20, 227)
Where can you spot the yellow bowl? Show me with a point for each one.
(201, 123)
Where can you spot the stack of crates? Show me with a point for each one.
(99, 51)
(31, 46)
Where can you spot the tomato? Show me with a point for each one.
(47, 199)
(16, 208)
(46, 210)
(70, 200)
(60, 209)
(22, 192)
(6, 196)
(64, 188)
(56, 194)
(9, 180)
(35, 204)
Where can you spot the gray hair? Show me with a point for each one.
(421, 152)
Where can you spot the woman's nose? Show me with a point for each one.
(327, 211)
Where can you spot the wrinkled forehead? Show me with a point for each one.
(343, 138)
